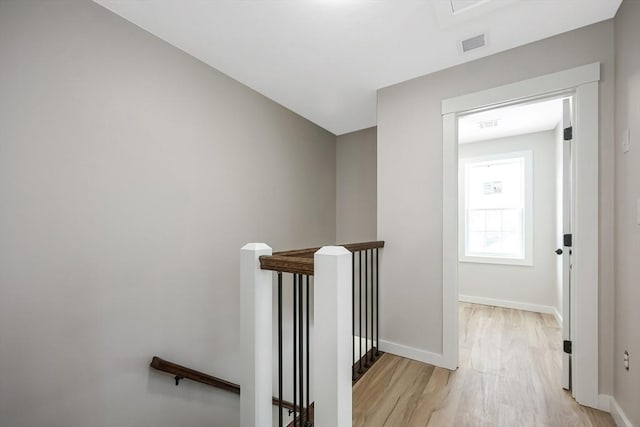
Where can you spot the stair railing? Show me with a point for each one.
(329, 275)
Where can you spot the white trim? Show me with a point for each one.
(366, 343)
(413, 353)
(516, 305)
(582, 80)
(450, 242)
(556, 82)
(618, 415)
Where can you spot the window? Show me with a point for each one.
(496, 209)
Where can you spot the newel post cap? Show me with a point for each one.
(255, 247)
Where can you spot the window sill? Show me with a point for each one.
(495, 260)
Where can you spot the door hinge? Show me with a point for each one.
(568, 240)
(567, 347)
(568, 133)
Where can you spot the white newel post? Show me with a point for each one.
(332, 324)
(255, 335)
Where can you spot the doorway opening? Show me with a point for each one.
(514, 209)
(582, 82)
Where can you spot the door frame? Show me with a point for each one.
(583, 82)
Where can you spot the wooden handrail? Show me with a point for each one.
(355, 247)
(287, 264)
(352, 247)
(182, 372)
(300, 261)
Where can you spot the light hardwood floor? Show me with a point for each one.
(509, 375)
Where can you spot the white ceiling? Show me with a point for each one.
(509, 121)
(325, 59)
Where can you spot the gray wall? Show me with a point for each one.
(627, 231)
(130, 176)
(527, 284)
(410, 181)
(356, 186)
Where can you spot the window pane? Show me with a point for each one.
(495, 184)
(512, 244)
(494, 198)
(492, 243)
(476, 220)
(512, 220)
(494, 220)
(475, 243)
(495, 244)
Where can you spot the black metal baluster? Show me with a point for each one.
(300, 346)
(360, 309)
(295, 391)
(377, 306)
(353, 315)
(372, 311)
(366, 308)
(280, 418)
(308, 422)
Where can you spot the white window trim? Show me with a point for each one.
(528, 210)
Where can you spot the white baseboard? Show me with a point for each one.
(402, 350)
(366, 343)
(547, 309)
(618, 415)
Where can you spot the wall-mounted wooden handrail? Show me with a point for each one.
(300, 261)
(181, 372)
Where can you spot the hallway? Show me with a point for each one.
(509, 375)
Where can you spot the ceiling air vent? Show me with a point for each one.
(488, 124)
(473, 43)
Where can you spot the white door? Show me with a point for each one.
(567, 240)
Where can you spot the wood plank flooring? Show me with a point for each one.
(509, 375)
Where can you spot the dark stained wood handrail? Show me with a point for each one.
(300, 261)
(287, 264)
(352, 247)
(355, 247)
(182, 372)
